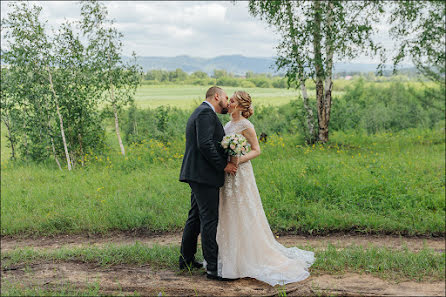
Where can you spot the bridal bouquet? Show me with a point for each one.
(235, 145)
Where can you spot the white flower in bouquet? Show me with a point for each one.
(225, 144)
(235, 145)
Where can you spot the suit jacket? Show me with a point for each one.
(204, 159)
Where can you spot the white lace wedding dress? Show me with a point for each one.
(246, 245)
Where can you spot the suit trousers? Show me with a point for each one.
(203, 218)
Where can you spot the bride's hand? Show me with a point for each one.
(231, 168)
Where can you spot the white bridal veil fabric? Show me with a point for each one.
(246, 245)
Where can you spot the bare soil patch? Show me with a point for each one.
(126, 280)
(339, 240)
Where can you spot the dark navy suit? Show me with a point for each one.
(203, 169)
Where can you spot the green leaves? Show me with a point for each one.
(341, 27)
(314, 34)
(58, 83)
(418, 27)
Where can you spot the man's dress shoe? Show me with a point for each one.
(190, 265)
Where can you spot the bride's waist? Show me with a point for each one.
(244, 166)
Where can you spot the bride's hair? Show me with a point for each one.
(244, 100)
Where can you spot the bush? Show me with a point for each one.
(393, 106)
(228, 81)
(280, 83)
(247, 84)
(261, 82)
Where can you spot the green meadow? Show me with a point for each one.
(389, 183)
(185, 96)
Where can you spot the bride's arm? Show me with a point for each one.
(251, 136)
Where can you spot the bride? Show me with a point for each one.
(246, 244)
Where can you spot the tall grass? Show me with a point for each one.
(383, 183)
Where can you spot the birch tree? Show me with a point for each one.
(29, 58)
(119, 80)
(313, 34)
(77, 85)
(53, 83)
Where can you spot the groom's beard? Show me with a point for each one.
(224, 110)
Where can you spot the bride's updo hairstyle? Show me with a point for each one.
(244, 100)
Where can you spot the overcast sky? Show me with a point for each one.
(173, 28)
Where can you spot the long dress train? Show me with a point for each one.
(246, 245)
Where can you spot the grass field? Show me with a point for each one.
(385, 183)
(382, 183)
(185, 96)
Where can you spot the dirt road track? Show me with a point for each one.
(341, 241)
(126, 279)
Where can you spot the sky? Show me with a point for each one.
(194, 28)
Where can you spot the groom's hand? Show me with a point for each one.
(231, 168)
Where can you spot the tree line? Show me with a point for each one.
(219, 77)
(250, 79)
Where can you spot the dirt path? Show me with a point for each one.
(125, 280)
(340, 241)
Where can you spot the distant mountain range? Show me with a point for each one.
(235, 64)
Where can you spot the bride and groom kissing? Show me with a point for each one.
(226, 207)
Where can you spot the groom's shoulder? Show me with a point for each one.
(203, 109)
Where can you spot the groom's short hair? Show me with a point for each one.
(212, 91)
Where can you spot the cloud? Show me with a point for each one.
(172, 28)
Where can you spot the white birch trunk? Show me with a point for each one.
(329, 48)
(308, 109)
(317, 40)
(51, 136)
(115, 111)
(301, 78)
(54, 153)
(62, 131)
(8, 126)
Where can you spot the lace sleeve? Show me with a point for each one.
(247, 124)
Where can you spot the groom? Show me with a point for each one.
(203, 168)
